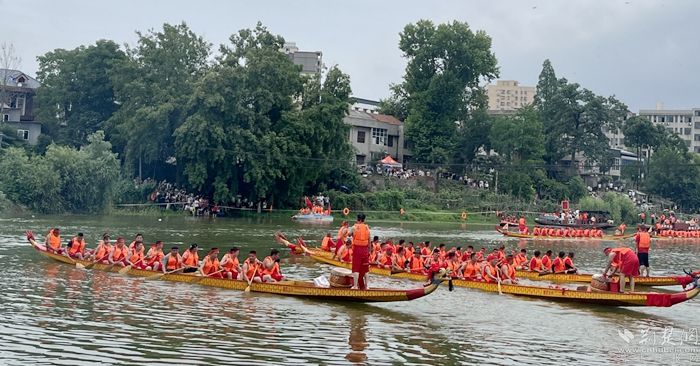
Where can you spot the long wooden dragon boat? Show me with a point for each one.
(515, 234)
(556, 293)
(288, 287)
(536, 276)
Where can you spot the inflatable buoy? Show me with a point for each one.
(464, 215)
(346, 211)
(402, 212)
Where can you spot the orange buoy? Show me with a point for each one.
(346, 211)
(464, 215)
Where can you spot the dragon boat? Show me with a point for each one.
(515, 234)
(304, 289)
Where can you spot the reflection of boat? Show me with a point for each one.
(552, 293)
(287, 287)
(550, 277)
(602, 216)
(514, 234)
(312, 217)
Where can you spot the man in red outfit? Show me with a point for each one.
(360, 252)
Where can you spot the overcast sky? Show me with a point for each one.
(644, 52)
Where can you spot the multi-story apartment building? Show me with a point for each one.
(509, 95)
(683, 122)
(311, 62)
(17, 91)
(374, 136)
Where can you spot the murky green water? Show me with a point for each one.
(57, 314)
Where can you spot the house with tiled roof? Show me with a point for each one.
(17, 92)
(374, 135)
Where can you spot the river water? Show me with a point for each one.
(55, 314)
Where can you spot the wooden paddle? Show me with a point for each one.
(127, 268)
(250, 280)
(159, 275)
(199, 278)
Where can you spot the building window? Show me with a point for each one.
(361, 137)
(379, 136)
(696, 137)
(23, 134)
(686, 131)
(697, 149)
(5, 117)
(390, 141)
(360, 159)
(20, 104)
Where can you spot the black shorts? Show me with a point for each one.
(190, 270)
(643, 259)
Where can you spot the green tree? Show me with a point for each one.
(446, 65)
(473, 136)
(76, 97)
(519, 137)
(154, 85)
(674, 173)
(547, 88)
(641, 134)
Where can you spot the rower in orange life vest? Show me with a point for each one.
(569, 263)
(345, 252)
(522, 225)
(101, 253)
(386, 260)
(154, 257)
(453, 265)
(624, 262)
(520, 260)
(271, 267)
(119, 253)
(211, 267)
(190, 259)
(558, 263)
(136, 256)
(172, 261)
(251, 268)
(53, 241)
(547, 261)
(326, 243)
(77, 247)
(490, 271)
(399, 261)
(536, 262)
(137, 239)
(341, 237)
(643, 241)
(416, 264)
(230, 264)
(470, 270)
(360, 252)
(507, 272)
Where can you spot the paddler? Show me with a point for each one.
(522, 225)
(119, 253)
(399, 261)
(251, 268)
(643, 241)
(172, 260)
(536, 262)
(211, 267)
(547, 261)
(360, 252)
(453, 265)
(229, 262)
(471, 271)
(623, 261)
(521, 259)
(490, 271)
(558, 263)
(101, 253)
(341, 237)
(507, 272)
(137, 239)
(417, 264)
(136, 256)
(326, 243)
(77, 247)
(386, 259)
(271, 267)
(190, 259)
(53, 241)
(154, 257)
(345, 252)
(569, 263)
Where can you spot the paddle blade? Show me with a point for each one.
(450, 285)
(124, 270)
(155, 277)
(247, 289)
(79, 265)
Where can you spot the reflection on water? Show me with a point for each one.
(60, 315)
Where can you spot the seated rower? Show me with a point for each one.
(101, 253)
(119, 253)
(137, 239)
(547, 261)
(454, 267)
(467, 253)
(481, 254)
(345, 252)
(399, 261)
(425, 250)
(251, 268)
(471, 269)
(536, 231)
(211, 267)
(442, 251)
(77, 247)
(172, 261)
(154, 257)
(507, 272)
(136, 256)
(536, 263)
(558, 263)
(489, 272)
(271, 267)
(417, 265)
(569, 263)
(190, 259)
(521, 261)
(387, 258)
(230, 264)
(53, 241)
(327, 243)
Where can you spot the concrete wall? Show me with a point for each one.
(34, 129)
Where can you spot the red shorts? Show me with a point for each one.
(234, 274)
(277, 276)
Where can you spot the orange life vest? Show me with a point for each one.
(76, 246)
(154, 255)
(252, 269)
(386, 261)
(471, 270)
(619, 253)
(342, 236)
(644, 240)
(535, 264)
(493, 271)
(173, 262)
(547, 263)
(231, 264)
(399, 260)
(536, 231)
(347, 255)
(453, 266)
(568, 262)
(54, 240)
(509, 269)
(136, 256)
(189, 259)
(275, 270)
(119, 254)
(325, 244)
(558, 265)
(102, 251)
(210, 265)
(416, 264)
(360, 235)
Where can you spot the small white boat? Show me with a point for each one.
(313, 218)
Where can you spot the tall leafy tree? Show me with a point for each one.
(519, 138)
(446, 65)
(154, 85)
(640, 134)
(76, 97)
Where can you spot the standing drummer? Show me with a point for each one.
(360, 252)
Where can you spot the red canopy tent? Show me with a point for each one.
(389, 161)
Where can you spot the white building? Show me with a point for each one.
(683, 122)
(509, 95)
(311, 62)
